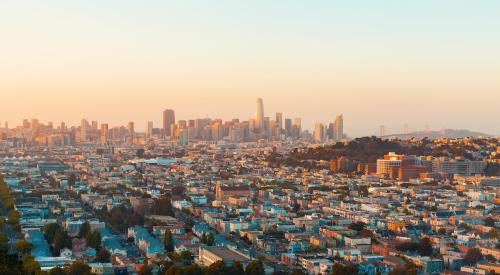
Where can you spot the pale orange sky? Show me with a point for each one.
(427, 63)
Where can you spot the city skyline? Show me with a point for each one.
(438, 65)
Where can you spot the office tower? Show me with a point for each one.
(191, 123)
(339, 128)
(288, 126)
(183, 137)
(319, 132)
(168, 121)
(50, 125)
(131, 131)
(26, 124)
(6, 125)
(217, 131)
(35, 126)
(63, 126)
(149, 129)
(259, 115)
(94, 125)
(104, 133)
(83, 130)
(382, 130)
(279, 121)
(330, 131)
(297, 127)
(182, 124)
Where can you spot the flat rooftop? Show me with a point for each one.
(227, 254)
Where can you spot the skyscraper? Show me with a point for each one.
(149, 130)
(131, 130)
(319, 132)
(83, 130)
(259, 115)
(288, 126)
(104, 133)
(279, 121)
(339, 128)
(168, 121)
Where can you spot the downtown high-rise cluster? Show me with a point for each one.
(260, 127)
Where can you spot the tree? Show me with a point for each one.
(140, 153)
(13, 217)
(84, 230)
(365, 233)
(94, 240)
(210, 239)
(4, 242)
(169, 241)
(493, 234)
(237, 269)
(146, 270)
(30, 266)
(193, 270)
(425, 247)
(78, 268)
(255, 268)
(71, 179)
(490, 258)
(217, 268)
(297, 272)
(50, 231)
(473, 256)
(57, 271)
(339, 269)
(23, 247)
(489, 221)
(62, 240)
(174, 270)
(357, 226)
(103, 256)
(9, 264)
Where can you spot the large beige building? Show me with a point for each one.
(213, 254)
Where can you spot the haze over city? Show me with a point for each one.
(386, 63)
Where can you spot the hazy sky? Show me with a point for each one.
(433, 62)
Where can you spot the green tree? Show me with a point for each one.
(30, 266)
(297, 272)
(146, 270)
(50, 230)
(255, 268)
(78, 268)
(13, 217)
(4, 242)
(217, 268)
(174, 270)
(62, 240)
(237, 269)
(57, 271)
(339, 269)
(489, 221)
(23, 247)
(94, 240)
(473, 256)
(193, 270)
(84, 230)
(103, 256)
(357, 226)
(425, 247)
(169, 241)
(210, 239)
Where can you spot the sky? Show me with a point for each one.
(427, 62)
